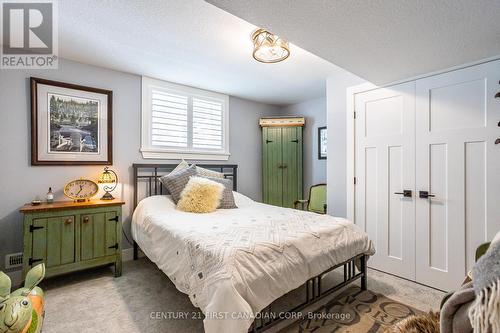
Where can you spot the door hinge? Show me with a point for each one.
(31, 261)
(114, 218)
(296, 141)
(114, 247)
(33, 228)
(354, 114)
(354, 180)
(268, 141)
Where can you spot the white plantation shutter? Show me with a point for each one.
(169, 120)
(183, 122)
(207, 124)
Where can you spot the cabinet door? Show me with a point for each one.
(54, 240)
(98, 235)
(291, 165)
(272, 159)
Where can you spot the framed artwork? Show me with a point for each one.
(322, 141)
(70, 124)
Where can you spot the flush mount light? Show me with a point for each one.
(269, 48)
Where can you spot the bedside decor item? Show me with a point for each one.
(108, 177)
(70, 124)
(70, 236)
(322, 141)
(269, 48)
(23, 309)
(201, 195)
(81, 190)
(50, 196)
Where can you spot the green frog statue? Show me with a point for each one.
(22, 311)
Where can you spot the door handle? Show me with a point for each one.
(425, 195)
(405, 193)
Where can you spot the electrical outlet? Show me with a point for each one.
(13, 260)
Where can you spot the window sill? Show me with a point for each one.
(189, 155)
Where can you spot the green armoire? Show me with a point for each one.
(282, 160)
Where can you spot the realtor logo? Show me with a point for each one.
(29, 35)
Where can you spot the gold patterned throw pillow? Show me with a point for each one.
(200, 195)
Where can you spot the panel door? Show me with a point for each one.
(458, 165)
(292, 165)
(54, 241)
(98, 235)
(272, 159)
(385, 166)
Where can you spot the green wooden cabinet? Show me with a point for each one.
(282, 165)
(69, 236)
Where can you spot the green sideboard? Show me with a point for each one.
(70, 236)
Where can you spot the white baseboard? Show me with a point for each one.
(17, 276)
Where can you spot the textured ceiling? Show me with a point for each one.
(382, 41)
(189, 42)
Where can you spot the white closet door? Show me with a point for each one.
(385, 165)
(458, 164)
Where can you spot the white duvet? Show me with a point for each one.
(234, 262)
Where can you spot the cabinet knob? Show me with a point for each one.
(86, 219)
(68, 221)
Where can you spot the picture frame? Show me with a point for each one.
(70, 124)
(322, 143)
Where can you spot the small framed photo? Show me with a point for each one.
(322, 141)
(70, 124)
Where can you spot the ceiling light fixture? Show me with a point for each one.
(269, 48)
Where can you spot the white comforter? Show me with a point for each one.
(234, 262)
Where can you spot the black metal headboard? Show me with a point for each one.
(149, 175)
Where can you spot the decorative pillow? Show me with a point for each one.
(227, 201)
(201, 195)
(181, 166)
(176, 181)
(209, 173)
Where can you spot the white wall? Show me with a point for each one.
(21, 182)
(314, 111)
(336, 121)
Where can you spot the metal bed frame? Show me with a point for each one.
(151, 173)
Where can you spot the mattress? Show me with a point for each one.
(234, 262)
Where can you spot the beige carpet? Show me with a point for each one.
(354, 310)
(94, 301)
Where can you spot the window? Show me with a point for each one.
(183, 122)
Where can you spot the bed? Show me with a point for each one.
(234, 263)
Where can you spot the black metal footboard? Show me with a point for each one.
(314, 292)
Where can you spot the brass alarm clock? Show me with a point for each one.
(81, 190)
